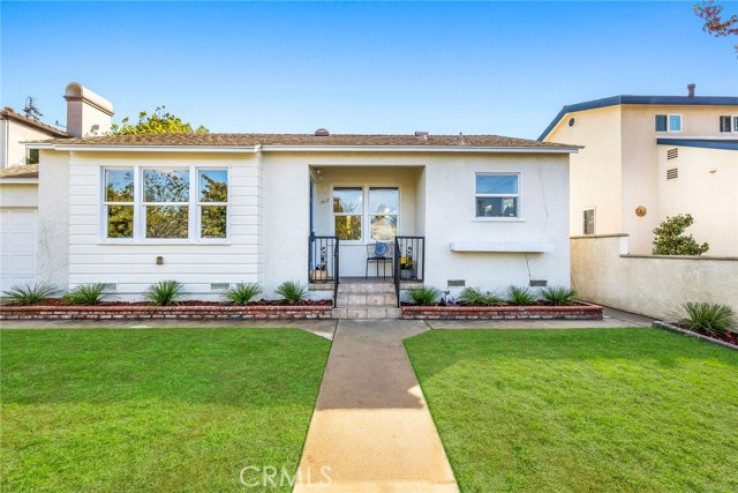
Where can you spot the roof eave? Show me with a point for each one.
(287, 148)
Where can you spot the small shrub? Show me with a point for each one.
(86, 294)
(29, 294)
(474, 297)
(164, 293)
(558, 295)
(711, 318)
(522, 296)
(242, 293)
(423, 296)
(669, 237)
(292, 291)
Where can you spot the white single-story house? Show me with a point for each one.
(212, 210)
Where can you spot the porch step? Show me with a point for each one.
(366, 312)
(369, 300)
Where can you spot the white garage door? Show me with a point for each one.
(18, 247)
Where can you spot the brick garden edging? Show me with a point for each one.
(204, 312)
(582, 311)
(690, 333)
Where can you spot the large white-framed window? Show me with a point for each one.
(148, 204)
(497, 195)
(362, 214)
(668, 123)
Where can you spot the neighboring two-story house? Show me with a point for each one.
(649, 157)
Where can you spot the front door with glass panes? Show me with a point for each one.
(365, 214)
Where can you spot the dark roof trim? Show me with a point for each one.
(730, 145)
(661, 100)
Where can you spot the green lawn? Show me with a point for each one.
(153, 410)
(582, 410)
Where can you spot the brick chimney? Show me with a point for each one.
(690, 89)
(87, 112)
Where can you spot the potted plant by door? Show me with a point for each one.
(407, 265)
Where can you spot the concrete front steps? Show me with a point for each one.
(366, 301)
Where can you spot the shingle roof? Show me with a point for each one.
(25, 172)
(8, 113)
(248, 140)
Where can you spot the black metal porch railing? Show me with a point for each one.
(409, 261)
(323, 257)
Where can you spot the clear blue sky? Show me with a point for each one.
(502, 68)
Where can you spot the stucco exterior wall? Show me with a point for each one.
(640, 162)
(13, 136)
(707, 188)
(133, 267)
(53, 218)
(595, 172)
(450, 217)
(652, 286)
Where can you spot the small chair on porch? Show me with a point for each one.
(379, 252)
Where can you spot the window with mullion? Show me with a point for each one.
(497, 195)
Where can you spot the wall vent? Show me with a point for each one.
(672, 173)
(672, 153)
(588, 220)
(456, 283)
(219, 286)
(538, 283)
(110, 287)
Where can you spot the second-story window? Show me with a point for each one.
(668, 123)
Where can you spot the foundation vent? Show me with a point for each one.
(219, 286)
(672, 153)
(672, 173)
(456, 283)
(538, 283)
(110, 287)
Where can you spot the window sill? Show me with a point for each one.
(498, 220)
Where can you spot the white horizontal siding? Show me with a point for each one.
(133, 266)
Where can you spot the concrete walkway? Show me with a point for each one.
(371, 424)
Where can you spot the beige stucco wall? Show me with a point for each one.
(11, 142)
(640, 157)
(707, 188)
(595, 177)
(618, 170)
(53, 218)
(652, 286)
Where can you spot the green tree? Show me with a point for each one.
(670, 239)
(159, 122)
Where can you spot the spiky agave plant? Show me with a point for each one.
(29, 294)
